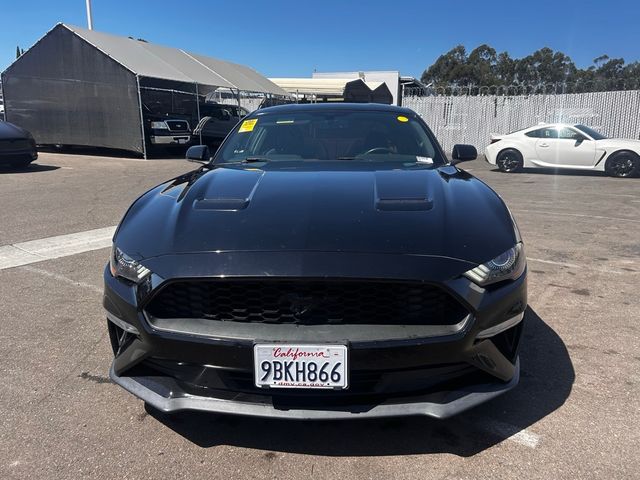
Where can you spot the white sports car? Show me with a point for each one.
(563, 146)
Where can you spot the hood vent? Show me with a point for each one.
(402, 190)
(229, 190)
(221, 204)
(403, 204)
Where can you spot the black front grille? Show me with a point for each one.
(307, 302)
(178, 125)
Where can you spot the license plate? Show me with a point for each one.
(300, 366)
(182, 140)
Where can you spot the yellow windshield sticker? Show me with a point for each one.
(247, 125)
(402, 119)
(284, 122)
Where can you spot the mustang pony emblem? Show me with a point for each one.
(300, 304)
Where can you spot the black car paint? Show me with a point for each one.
(17, 146)
(322, 219)
(397, 209)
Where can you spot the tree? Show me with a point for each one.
(448, 69)
(486, 67)
(482, 63)
(505, 69)
(631, 75)
(544, 66)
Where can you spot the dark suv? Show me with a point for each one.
(216, 122)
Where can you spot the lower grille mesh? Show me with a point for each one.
(13, 145)
(307, 302)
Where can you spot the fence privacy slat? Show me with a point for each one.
(473, 119)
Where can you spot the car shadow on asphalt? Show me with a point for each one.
(547, 376)
(156, 153)
(31, 168)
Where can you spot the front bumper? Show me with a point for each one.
(172, 139)
(399, 372)
(9, 153)
(167, 397)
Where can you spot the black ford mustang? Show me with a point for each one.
(328, 262)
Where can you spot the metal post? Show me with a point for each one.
(4, 101)
(239, 98)
(144, 143)
(198, 107)
(89, 16)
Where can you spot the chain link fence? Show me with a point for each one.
(472, 114)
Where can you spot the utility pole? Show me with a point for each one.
(89, 17)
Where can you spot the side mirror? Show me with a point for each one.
(579, 140)
(463, 153)
(198, 154)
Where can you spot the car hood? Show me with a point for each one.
(10, 131)
(347, 206)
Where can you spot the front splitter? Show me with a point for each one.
(460, 401)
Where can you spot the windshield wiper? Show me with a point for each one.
(254, 159)
(245, 160)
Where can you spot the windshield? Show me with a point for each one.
(591, 132)
(329, 135)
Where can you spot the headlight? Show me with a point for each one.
(122, 265)
(159, 126)
(506, 266)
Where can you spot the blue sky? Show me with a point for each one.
(287, 38)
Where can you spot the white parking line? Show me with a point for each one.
(512, 433)
(551, 262)
(49, 248)
(63, 279)
(604, 194)
(629, 271)
(577, 215)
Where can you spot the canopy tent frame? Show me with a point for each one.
(90, 90)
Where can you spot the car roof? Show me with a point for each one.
(356, 107)
(549, 125)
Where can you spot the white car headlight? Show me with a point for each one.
(506, 266)
(122, 265)
(159, 126)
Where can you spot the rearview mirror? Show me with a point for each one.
(198, 154)
(463, 153)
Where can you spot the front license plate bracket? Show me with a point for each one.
(301, 366)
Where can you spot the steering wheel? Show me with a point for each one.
(378, 150)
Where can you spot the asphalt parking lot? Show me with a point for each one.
(575, 413)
